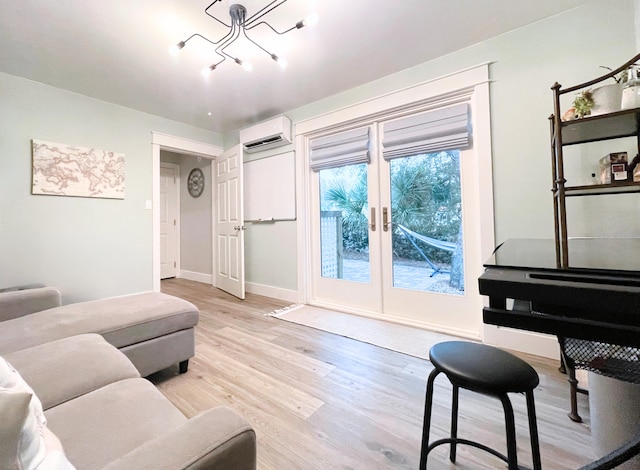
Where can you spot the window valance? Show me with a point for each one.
(433, 131)
(345, 148)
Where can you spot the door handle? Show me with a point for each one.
(372, 218)
(237, 228)
(385, 219)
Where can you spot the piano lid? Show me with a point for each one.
(595, 255)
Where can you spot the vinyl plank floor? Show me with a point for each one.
(322, 401)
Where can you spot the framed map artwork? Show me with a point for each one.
(68, 170)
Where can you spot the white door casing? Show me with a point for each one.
(469, 84)
(160, 141)
(169, 228)
(228, 219)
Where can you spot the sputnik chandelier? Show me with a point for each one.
(239, 26)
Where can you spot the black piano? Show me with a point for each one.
(596, 298)
(592, 305)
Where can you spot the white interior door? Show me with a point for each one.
(169, 247)
(228, 219)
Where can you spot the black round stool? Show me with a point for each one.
(489, 371)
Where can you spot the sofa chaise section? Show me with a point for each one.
(154, 330)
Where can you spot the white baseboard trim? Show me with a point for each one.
(273, 292)
(524, 341)
(198, 277)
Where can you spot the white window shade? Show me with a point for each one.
(442, 129)
(344, 148)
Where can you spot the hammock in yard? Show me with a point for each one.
(434, 242)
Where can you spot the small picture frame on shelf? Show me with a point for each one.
(613, 168)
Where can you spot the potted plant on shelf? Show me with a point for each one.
(583, 104)
(608, 98)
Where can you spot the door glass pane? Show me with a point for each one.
(426, 215)
(344, 229)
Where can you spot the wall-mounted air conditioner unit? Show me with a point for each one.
(269, 134)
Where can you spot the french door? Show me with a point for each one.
(398, 238)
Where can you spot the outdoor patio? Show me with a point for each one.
(408, 274)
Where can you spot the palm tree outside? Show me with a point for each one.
(425, 198)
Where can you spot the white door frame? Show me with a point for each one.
(472, 82)
(160, 141)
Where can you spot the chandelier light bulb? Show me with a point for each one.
(244, 64)
(310, 20)
(173, 50)
(281, 61)
(207, 70)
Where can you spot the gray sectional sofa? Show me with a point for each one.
(85, 362)
(107, 417)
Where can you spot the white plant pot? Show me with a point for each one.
(631, 97)
(606, 99)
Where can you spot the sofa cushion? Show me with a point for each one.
(86, 362)
(122, 321)
(99, 426)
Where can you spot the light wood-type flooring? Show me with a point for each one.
(322, 401)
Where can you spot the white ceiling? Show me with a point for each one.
(116, 50)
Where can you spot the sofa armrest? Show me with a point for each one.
(18, 303)
(22, 287)
(61, 370)
(214, 439)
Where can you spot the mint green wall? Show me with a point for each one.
(567, 48)
(89, 248)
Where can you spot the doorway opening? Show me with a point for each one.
(163, 142)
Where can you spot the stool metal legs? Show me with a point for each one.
(511, 458)
(510, 427)
(428, 405)
(454, 423)
(533, 431)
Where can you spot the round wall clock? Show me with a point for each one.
(195, 182)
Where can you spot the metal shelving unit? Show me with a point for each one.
(616, 125)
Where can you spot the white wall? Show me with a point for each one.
(567, 48)
(89, 248)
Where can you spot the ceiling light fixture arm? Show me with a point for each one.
(270, 53)
(264, 11)
(272, 28)
(206, 10)
(235, 33)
